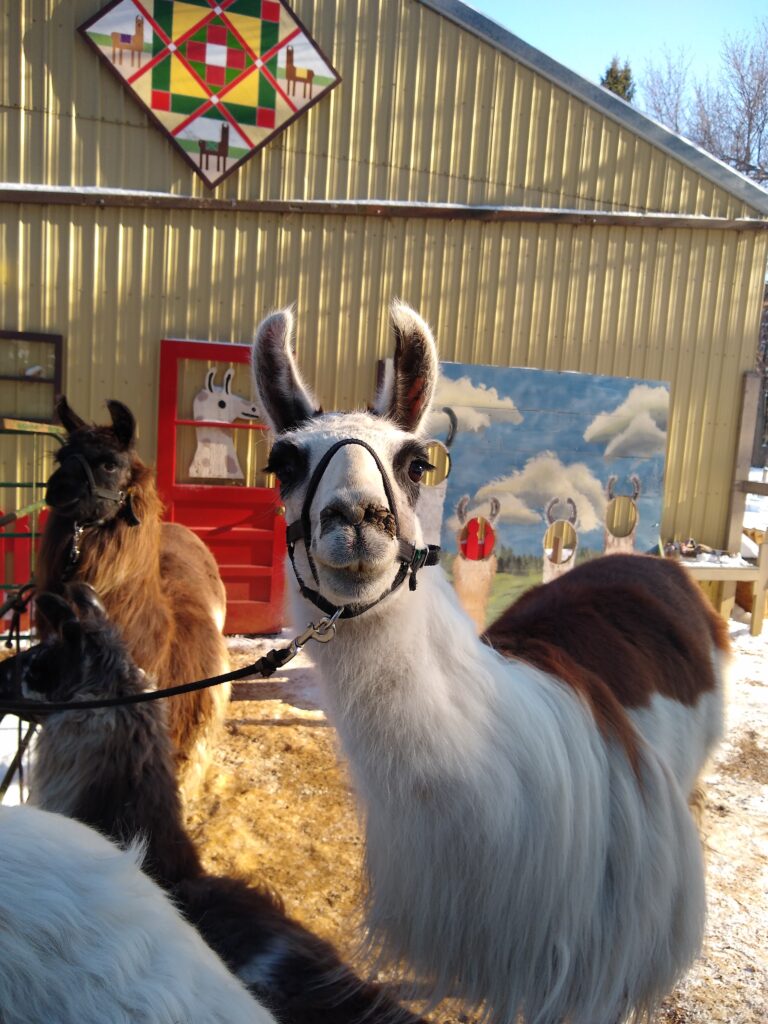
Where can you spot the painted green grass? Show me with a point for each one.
(192, 146)
(507, 587)
(506, 590)
(102, 40)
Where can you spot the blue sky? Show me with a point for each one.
(585, 35)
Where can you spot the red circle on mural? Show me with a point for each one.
(477, 539)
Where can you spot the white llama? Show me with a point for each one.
(473, 577)
(87, 938)
(216, 455)
(528, 842)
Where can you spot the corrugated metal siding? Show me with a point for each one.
(425, 112)
(672, 304)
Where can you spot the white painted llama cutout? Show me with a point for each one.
(216, 455)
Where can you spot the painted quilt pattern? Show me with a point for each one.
(221, 78)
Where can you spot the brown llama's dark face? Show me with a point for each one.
(95, 466)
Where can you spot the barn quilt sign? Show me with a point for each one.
(220, 77)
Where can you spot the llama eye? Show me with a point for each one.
(109, 465)
(288, 463)
(418, 468)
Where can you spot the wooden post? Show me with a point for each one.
(742, 466)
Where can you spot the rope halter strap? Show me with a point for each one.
(410, 557)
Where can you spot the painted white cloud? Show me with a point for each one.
(466, 398)
(467, 419)
(641, 418)
(525, 493)
(513, 510)
(641, 439)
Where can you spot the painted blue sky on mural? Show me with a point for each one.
(529, 436)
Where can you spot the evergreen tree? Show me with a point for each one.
(619, 80)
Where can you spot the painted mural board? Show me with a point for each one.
(553, 467)
(219, 77)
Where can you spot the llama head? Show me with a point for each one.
(78, 659)
(96, 466)
(362, 503)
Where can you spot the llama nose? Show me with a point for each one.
(350, 513)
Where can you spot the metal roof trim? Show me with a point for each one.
(682, 149)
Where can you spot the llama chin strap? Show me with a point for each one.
(410, 557)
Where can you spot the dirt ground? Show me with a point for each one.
(278, 808)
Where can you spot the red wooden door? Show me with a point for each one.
(210, 475)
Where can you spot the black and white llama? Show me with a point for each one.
(113, 769)
(528, 841)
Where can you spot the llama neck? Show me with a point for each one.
(408, 684)
(113, 770)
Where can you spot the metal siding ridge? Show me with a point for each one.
(90, 197)
(604, 101)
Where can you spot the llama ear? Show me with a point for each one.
(55, 610)
(209, 379)
(67, 416)
(461, 509)
(228, 381)
(123, 422)
(406, 393)
(86, 601)
(285, 401)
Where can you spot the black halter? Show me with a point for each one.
(121, 498)
(410, 557)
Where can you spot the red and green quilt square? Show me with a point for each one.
(220, 77)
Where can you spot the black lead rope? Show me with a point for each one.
(265, 666)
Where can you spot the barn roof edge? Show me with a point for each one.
(677, 146)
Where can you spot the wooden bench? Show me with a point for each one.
(712, 572)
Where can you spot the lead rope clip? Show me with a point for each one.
(324, 631)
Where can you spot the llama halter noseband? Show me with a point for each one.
(410, 557)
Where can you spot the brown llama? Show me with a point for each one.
(294, 75)
(125, 41)
(113, 770)
(159, 583)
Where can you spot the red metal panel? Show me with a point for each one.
(243, 526)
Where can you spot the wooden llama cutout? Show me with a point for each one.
(125, 41)
(294, 75)
(216, 455)
(475, 565)
(560, 540)
(621, 518)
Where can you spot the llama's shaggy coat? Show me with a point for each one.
(529, 846)
(87, 938)
(112, 769)
(158, 581)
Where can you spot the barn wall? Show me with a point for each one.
(425, 112)
(676, 304)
